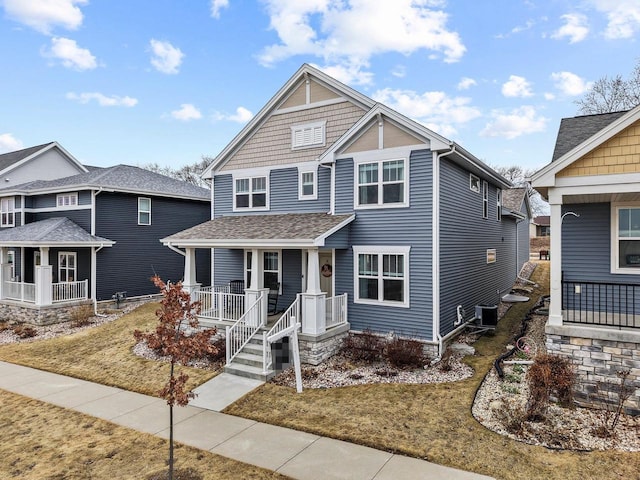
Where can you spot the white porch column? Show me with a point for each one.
(314, 319)
(256, 289)
(43, 285)
(555, 306)
(44, 256)
(5, 269)
(190, 284)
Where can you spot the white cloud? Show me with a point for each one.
(520, 121)
(186, 112)
(348, 33)
(466, 83)
(103, 100)
(43, 15)
(517, 29)
(9, 143)
(399, 71)
(570, 83)
(352, 73)
(549, 96)
(576, 28)
(242, 115)
(436, 110)
(70, 54)
(217, 5)
(623, 17)
(516, 87)
(166, 58)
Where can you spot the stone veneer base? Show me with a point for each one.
(35, 315)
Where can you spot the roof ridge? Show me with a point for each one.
(54, 225)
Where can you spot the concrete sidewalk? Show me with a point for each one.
(290, 452)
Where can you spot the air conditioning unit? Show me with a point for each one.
(488, 315)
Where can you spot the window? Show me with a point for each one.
(499, 204)
(309, 135)
(67, 199)
(67, 267)
(625, 248)
(11, 260)
(270, 267)
(7, 212)
(491, 255)
(144, 211)
(307, 185)
(382, 275)
(485, 199)
(381, 184)
(250, 193)
(474, 183)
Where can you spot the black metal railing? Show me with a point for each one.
(614, 305)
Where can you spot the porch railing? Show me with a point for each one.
(336, 310)
(613, 305)
(239, 334)
(218, 304)
(69, 291)
(19, 291)
(288, 319)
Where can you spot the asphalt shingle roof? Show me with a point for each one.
(513, 198)
(119, 178)
(8, 159)
(575, 130)
(289, 226)
(57, 230)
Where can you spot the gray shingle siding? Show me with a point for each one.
(465, 277)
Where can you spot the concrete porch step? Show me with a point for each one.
(247, 358)
(248, 371)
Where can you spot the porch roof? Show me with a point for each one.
(52, 232)
(291, 230)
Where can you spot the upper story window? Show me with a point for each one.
(485, 199)
(381, 184)
(144, 211)
(250, 193)
(307, 184)
(499, 204)
(474, 183)
(308, 135)
(625, 239)
(7, 212)
(382, 275)
(67, 199)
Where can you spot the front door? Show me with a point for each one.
(326, 272)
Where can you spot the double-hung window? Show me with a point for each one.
(381, 184)
(271, 268)
(67, 200)
(625, 238)
(485, 199)
(307, 184)
(250, 193)
(382, 275)
(66, 267)
(144, 211)
(7, 212)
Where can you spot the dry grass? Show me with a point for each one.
(54, 443)
(434, 422)
(103, 355)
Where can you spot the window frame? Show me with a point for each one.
(11, 260)
(313, 143)
(498, 204)
(301, 173)
(73, 200)
(485, 199)
(10, 213)
(73, 255)
(380, 183)
(474, 183)
(381, 251)
(141, 211)
(250, 192)
(615, 239)
(247, 268)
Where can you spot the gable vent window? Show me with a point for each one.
(309, 135)
(67, 200)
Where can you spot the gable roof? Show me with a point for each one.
(57, 231)
(543, 220)
(120, 178)
(9, 161)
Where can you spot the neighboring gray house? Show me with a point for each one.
(87, 236)
(356, 217)
(593, 188)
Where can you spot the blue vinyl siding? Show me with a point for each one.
(523, 238)
(410, 226)
(138, 253)
(465, 277)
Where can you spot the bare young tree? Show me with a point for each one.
(613, 94)
(188, 173)
(518, 176)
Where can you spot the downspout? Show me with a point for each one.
(94, 258)
(94, 252)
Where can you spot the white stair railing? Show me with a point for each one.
(288, 319)
(239, 334)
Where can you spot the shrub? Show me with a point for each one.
(446, 362)
(615, 396)
(365, 346)
(403, 352)
(5, 326)
(549, 375)
(24, 331)
(220, 345)
(512, 417)
(81, 315)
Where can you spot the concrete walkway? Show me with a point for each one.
(290, 452)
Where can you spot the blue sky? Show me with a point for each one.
(122, 81)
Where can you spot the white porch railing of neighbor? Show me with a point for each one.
(336, 310)
(288, 319)
(239, 334)
(69, 291)
(20, 291)
(218, 304)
